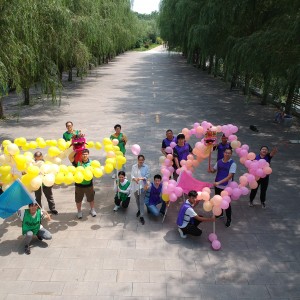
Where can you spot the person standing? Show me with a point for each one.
(188, 220)
(67, 136)
(262, 182)
(122, 138)
(180, 152)
(85, 187)
(225, 168)
(153, 197)
(31, 225)
(122, 189)
(47, 190)
(221, 147)
(167, 141)
(140, 173)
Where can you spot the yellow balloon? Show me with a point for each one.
(98, 172)
(61, 144)
(6, 143)
(63, 169)
(53, 151)
(110, 161)
(33, 171)
(87, 175)
(7, 178)
(26, 179)
(4, 170)
(69, 178)
(98, 145)
(20, 159)
(116, 148)
(59, 178)
(108, 148)
(80, 168)
(78, 177)
(90, 144)
(107, 141)
(119, 153)
(21, 167)
(165, 197)
(121, 159)
(95, 164)
(71, 169)
(108, 168)
(33, 145)
(25, 147)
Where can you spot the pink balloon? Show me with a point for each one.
(216, 200)
(243, 160)
(224, 193)
(243, 180)
(178, 171)
(167, 162)
(169, 150)
(171, 188)
(244, 190)
(170, 156)
(183, 162)
(192, 131)
(233, 184)
(172, 197)
(243, 153)
(135, 149)
(253, 185)
(173, 144)
(224, 204)
(245, 146)
(232, 138)
(174, 182)
(212, 237)
(238, 150)
(171, 169)
(216, 245)
(251, 156)
(262, 163)
(259, 172)
(236, 193)
(165, 178)
(196, 125)
(205, 196)
(228, 189)
(267, 170)
(248, 163)
(178, 191)
(234, 129)
(226, 198)
(199, 130)
(217, 210)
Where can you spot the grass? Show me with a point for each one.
(146, 49)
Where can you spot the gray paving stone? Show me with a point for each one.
(9, 274)
(185, 290)
(80, 288)
(118, 263)
(150, 289)
(46, 288)
(133, 276)
(115, 289)
(101, 275)
(67, 275)
(36, 275)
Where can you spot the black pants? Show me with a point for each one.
(192, 229)
(48, 194)
(263, 183)
(124, 203)
(228, 210)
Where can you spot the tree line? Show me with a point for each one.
(42, 39)
(255, 41)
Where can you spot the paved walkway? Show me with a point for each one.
(113, 256)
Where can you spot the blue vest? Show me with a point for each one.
(183, 151)
(155, 195)
(168, 142)
(266, 158)
(221, 149)
(182, 216)
(223, 170)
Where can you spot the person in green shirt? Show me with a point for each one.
(31, 225)
(122, 189)
(67, 136)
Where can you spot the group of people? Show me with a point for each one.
(146, 193)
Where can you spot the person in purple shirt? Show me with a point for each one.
(180, 152)
(262, 182)
(221, 147)
(167, 141)
(225, 168)
(188, 220)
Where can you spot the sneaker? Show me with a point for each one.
(114, 176)
(116, 208)
(228, 223)
(263, 205)
(251, 203)
(54, 212)
(181, 233)
(27, 250)
(93, 212)
(79, 215)
(142, 220)
(138, 214)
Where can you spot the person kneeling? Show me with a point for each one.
(31, 225)
(122, 189)
(188, 220)
(153, 197)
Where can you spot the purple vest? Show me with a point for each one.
(155, 195)
(183, 151)
(223, 170)
(167, 142)
(182, 215)
(266, 158)
(221, 149)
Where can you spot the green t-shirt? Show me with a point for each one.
(67, 136)
(121, 144)
(85, 182)
(31, 223)
(124, 187)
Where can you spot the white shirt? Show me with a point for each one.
(136, 173)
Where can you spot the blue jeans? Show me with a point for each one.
(152, 209)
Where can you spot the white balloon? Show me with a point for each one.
(48, 179)
(36, 182)
(13, 149)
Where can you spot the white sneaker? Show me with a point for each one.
(116, 208)
(181, 233)
(114, 176)
(79, 215)
(93, 212)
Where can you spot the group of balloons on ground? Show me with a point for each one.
(202, 150)
(17, 161)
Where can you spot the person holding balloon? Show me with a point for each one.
(167, 141)
(153, 197)
(263, 182)
(67, 136)
(86, 186)
(47, 190)
(140, 173)
(225, 168)
(188, 220)
(122, 140)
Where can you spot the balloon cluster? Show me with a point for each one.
(15, 164)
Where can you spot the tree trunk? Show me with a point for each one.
(70, 77)
(289, 100)
(266, 90)
(216, 66)
(60, 72)
(247, 83)
(211, 62)
(26, 96)
(1, 109)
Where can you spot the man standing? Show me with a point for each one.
(122, 138)
(225, 168)
(47, 190)
(67, 136)
(85, 187)
(167, 141)
(262, 182)
(188, 220)
(221, 147)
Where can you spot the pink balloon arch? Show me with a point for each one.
(256, 169)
